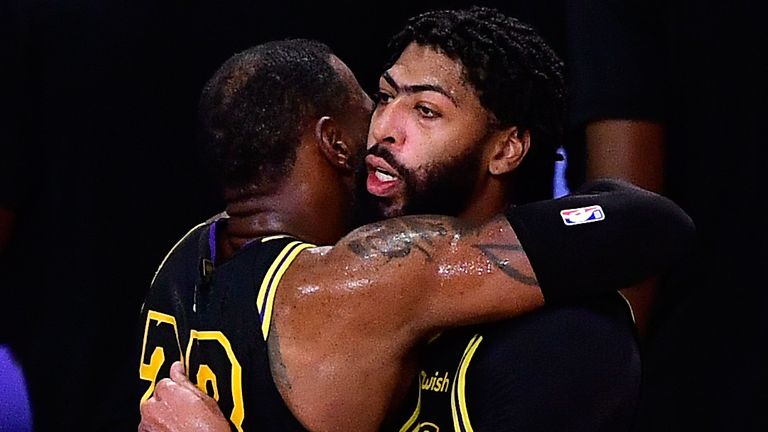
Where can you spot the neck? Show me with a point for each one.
(276, 214)
(488, 201)
(310, 210)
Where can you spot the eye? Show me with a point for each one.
(427, 112)
(381, 98)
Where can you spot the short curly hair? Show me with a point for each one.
(253, 109)
(516, 75)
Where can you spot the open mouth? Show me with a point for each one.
(382, 179)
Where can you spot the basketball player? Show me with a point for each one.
(472, 105)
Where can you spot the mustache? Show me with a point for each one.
(384, 153)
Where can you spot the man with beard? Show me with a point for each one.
(468, 121)
(335, 345)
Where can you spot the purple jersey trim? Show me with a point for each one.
(212, 239)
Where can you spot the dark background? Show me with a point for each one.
(98, 162)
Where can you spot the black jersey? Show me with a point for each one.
(216, 318)
(573, 367)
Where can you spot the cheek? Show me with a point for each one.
(430, 145)
(371, 140)
(419, 147)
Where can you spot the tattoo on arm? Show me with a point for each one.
(494, 252)
(397, 238)
(279, 372)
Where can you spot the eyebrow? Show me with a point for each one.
(416, 88)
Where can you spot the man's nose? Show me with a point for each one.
(387, 125)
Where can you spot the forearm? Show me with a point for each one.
(632, 150)
(633, 234)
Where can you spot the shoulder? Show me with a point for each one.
(586, 344)
(608, 312)
(191, 243)
(579, 362)
(574, 332)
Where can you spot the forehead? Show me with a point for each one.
(419, 64)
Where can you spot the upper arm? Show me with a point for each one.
(425, 272)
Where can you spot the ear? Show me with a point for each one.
(331, 143)
(510, 148)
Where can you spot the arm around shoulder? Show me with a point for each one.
(608, 235)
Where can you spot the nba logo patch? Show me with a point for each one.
(582, 215)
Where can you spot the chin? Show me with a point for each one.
(392, 213)
(388, 209)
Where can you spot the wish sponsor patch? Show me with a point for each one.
(582, 215)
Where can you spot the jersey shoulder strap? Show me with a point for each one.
(264, 262)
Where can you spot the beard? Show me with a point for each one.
(444, 187)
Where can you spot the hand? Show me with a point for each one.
(177, 405)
